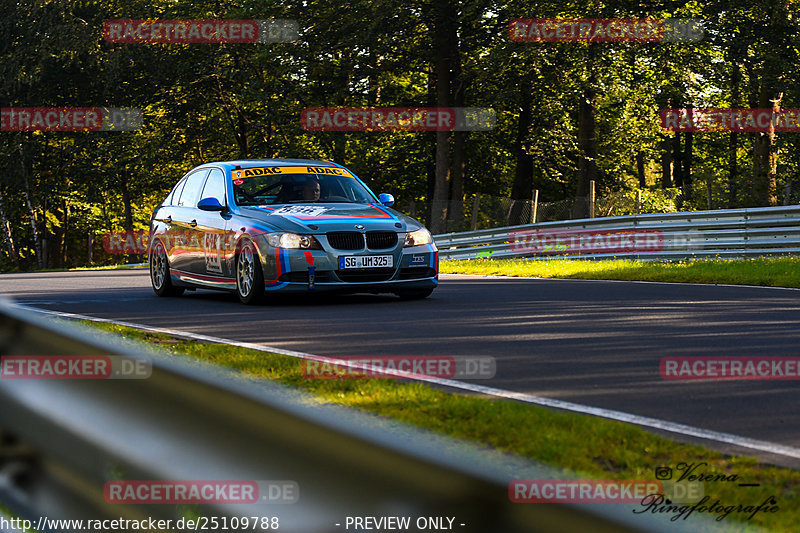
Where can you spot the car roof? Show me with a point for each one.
(252, 163)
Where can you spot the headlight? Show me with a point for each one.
(292, 241)
(421, 236)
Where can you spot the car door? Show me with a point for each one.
(187, 249)
(212, 228)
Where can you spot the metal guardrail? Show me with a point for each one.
(61, 440)
(732, 233)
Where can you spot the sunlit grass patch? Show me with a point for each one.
(767, 271)
(589, 447)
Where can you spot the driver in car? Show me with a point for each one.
(311, 189)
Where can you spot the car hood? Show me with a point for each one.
(323, 217)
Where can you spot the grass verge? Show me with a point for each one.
(75, 269)
(766, 271)
(587, 446)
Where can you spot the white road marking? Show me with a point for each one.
(655, 423)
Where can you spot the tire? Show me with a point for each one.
(249, 275)
(414, 294)
(159, 272)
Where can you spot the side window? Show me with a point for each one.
(215, 186)
(188, 196)
(172, 199)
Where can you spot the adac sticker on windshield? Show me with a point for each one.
(243, 173)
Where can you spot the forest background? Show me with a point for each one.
(568, 113)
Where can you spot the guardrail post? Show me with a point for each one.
(591, 199)
(476, 204)
(413, 208)
(638, 201)
(534, 205)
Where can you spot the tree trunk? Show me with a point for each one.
(444, 18)
(765, 156)
(12, 252)
(430, 163)
(44, 235)
(126, 203)
(687, 163)
(340, 147)
(439, 201)
(268, 141)
(241, 135)
(523, 174)
(733, 169)
(37, 243)
(787, 191)
(666, 162)
(455, 212)
(457, 170)
(238, 124)
(677, 160)
(126, 199)
(431, 181)
(64, 232)
(587, 142)
(458, 164)
(640, 169)
(733, 140)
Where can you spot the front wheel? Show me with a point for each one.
(249, 275)
(159, 272)
(414, 294)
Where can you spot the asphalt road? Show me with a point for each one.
(591, 342)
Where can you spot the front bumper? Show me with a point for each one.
(414, 267)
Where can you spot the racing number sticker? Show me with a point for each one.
(212, 248)
(300, 210)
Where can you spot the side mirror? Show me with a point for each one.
(210, 204)
(386, 199)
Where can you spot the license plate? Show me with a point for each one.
(365, 261)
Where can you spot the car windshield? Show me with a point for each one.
(278, 188)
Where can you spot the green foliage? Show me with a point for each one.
(204, 102)
(651, 201)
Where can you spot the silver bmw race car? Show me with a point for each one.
(260, 226)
